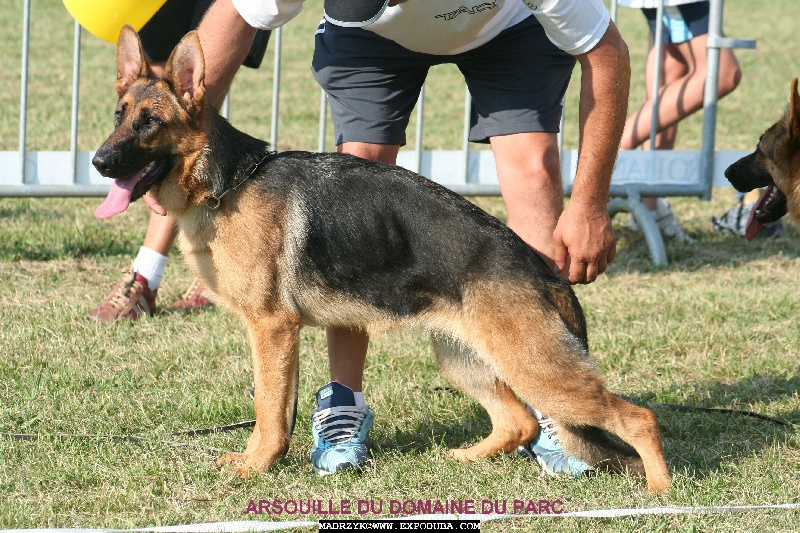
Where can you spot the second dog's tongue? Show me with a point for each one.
(753, 225)
(118, 199)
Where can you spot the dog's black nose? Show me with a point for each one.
(102, 161)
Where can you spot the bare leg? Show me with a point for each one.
(161, 233)
(673, 69)
(680, 97)
(528, 169)
(682, 90)
(347, 352)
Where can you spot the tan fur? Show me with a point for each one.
(234, 271)
(512, 425)
(502, 342)
(274, 339)
(530, 350)
(781, 144)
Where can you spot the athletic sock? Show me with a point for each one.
(359, 397)
(150, 264)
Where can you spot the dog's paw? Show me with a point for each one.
(463, 455)
(244, 465)
(488, 447)
(230, 458)
(236, 463)
(658, 488)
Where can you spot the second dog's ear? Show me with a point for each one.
(794, 113)
(131, 63)
(185, 71)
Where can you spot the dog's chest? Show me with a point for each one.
(236, 254)
(197, 242)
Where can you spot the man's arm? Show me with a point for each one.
(226, 39)
(584, 239)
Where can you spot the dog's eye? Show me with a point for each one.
(118, 114)
(151, 120)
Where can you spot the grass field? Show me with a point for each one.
(717, 328)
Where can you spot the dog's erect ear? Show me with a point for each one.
(185, 71)
(794, 113)
(131, 63)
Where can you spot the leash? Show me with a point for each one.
(252, 423)
(213, 201)
(128, 438)
(691, 408)
(683, 408)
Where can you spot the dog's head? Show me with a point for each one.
(158, 121)
(775, 165)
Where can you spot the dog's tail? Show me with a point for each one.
(597, 448)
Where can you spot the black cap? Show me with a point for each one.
(354, 13)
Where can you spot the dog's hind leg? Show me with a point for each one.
(554, 374)
(274, 343)
(512, 425)
(636, 426)
(598, 449)
(546, 363)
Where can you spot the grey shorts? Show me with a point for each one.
(517, 82)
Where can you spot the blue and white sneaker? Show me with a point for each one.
(340, 430)
(548, 452)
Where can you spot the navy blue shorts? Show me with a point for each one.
(681, 23)
(517, 82)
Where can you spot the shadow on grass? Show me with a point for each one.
(44, 229)
(702, 441)
(698, 441)
(710, 249)
(457, 428)
(31, 251)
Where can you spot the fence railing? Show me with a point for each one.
(26, 173)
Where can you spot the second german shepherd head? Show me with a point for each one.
(775, 165)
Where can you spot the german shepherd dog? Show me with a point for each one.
(297, 238)
(775, 165)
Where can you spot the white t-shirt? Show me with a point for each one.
(449, 27)
(654, 3)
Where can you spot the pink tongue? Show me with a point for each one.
(753, 225)
(118, 199)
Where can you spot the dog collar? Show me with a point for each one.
(213, 201)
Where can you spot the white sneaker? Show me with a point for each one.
(667, 222)
(669, 225)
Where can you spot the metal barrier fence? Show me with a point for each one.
(469, 172)
(675, 172)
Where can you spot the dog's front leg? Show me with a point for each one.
(274, 342)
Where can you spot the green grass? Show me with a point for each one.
(717, 328)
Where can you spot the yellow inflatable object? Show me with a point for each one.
(104, 18)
